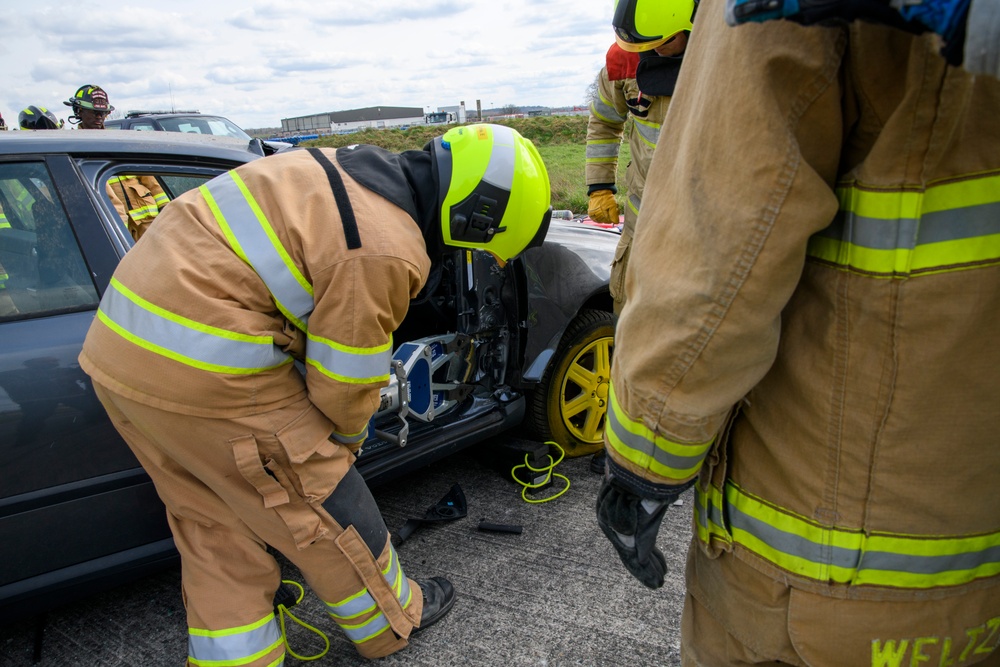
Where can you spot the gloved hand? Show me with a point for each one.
(631, 524)
(602, 207)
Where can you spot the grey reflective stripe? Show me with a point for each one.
(184, 340)
(350, 438)
(650, 132)
(347, 364)
(602, 150)
(233, 647)
(648, 447)
(365, 631)
(396, 573)
(362, 603)
(260, 246)
(906, 233)
(880, 560)
(791, 543)
(500, 170)
(706, 512)
(605, 111)
(634, 201)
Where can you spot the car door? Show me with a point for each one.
(76, 510)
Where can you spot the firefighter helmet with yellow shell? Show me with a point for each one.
(643, 25)
(493, 189)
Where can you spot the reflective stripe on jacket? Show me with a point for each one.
(823, 251)
(138, 200)
(260, 266)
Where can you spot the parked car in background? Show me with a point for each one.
(191, 122)
(528, 345)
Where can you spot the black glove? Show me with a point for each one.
(631, 524)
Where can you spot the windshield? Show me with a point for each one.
(216, 125)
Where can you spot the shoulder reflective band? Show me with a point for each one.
(602, 150)
(674, 461)
(252, 238)
(234, 646)
(347, 612)
(355, 365)
(842, 556)
(949, 227)
(189, 342)
(606, 111)
(648, 132)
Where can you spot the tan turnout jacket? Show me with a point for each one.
(820, 247)
(220, 345)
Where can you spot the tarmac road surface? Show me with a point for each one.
(556, 594)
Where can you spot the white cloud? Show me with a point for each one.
(259, 62)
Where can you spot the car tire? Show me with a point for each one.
(570, 403)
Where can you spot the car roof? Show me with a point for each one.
(84, 142)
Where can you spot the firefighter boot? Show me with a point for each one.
(439, 597)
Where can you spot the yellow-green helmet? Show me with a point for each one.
(493, 189)
(642, 25)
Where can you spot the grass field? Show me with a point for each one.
(561, 141)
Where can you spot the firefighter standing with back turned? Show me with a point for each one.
(817, 247)
(636, 82)
(309, 254)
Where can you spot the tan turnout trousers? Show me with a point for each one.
(234, 486)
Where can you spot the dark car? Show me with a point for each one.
(524, 345)
(189, 122)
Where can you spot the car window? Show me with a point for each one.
(43, 267)
(143, 126)
(220, 127)
(178, 185)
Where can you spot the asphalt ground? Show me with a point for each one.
(555, 594)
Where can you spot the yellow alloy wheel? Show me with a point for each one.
(570, 404)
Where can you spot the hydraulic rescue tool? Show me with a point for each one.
(427, 377)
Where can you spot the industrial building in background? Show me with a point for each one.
(379, 118)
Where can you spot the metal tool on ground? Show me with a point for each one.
(452, 506)
(489, 527)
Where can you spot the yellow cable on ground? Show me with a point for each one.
(548, 477)
(283, 611)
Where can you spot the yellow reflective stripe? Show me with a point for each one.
(848, 556)
(4, 223)
(633, 441)
(255, 242)
(708, 512)
(602, 150)
(346, 363)
(605, 110)
(947, 227)
(161, 199)
(649, 132)
(240, 645)
(170, 335)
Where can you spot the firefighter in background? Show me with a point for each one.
(819, 250)
(636, 82)
(37, 118)
(312, 255)
(3, 124)
(137, 199)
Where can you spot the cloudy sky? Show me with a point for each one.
(258, 61)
